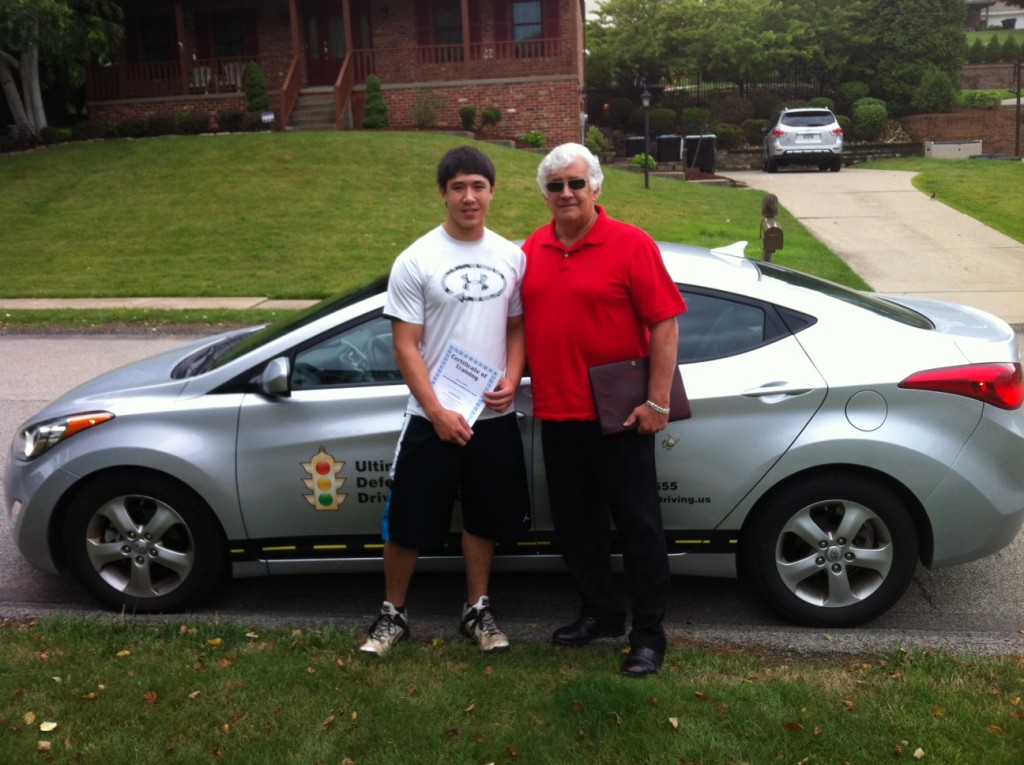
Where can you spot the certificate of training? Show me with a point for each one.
(461, 380)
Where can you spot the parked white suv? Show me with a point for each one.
(805, 136)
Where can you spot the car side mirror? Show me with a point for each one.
(275, 379)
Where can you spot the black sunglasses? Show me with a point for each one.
(555, 187)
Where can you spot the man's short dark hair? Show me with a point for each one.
(464, 159)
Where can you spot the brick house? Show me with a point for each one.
(433, 57)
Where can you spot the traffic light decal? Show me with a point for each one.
(324, 482)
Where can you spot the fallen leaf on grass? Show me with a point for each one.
(29, 718)
(451, 733)
(150, 697)
(674, 722)
(993, 728)
(122, 653)
(793, 726)
(919, 753)
(48, 726)
(215, 642)
(43, 746)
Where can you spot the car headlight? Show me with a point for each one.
(39, 438)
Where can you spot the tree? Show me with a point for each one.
(63, 35)
(909, 38)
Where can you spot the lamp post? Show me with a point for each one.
(645, 101)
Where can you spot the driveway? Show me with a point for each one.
(901, 241)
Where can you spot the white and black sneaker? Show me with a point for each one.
(391, 627)
(478, 625)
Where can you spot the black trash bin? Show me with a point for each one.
(669, 148)
(700, 152)
(634, 145)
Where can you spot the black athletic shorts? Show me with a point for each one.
(488, 474)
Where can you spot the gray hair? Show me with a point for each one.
(560, 157)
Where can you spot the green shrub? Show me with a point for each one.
(193, 123)
(976, 52)
(50, 135)
(662, 121)
(467, 114)
(869, 118)
(230, 120)
(638, 160)
(596, 140)
(728, 136)
(160, 124)
(730, 109)
(936, 93)
(491, 115)
(754, 130)
(86, 131)
(133, 128)
(1011, 48)
(849, 93)
(256, 94)
(253, 123)
(695, 119)
(536, 139)
(427, 107)
(822, 102)
(376, 115)
(847, 125)
(981, 99)
(993, 50)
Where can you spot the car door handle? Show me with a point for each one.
(780, 389)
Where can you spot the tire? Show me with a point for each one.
(772, 165)
(837, 165)
(144, 543)
(835, 550)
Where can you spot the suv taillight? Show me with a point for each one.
(837, 131)
(778, 133)
(1001, 385)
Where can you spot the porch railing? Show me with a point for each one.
(400, 65)
(164, 79)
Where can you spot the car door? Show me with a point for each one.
(752, 389)
(313, 467)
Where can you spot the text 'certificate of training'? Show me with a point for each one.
(461, 381)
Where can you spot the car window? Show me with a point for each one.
(358, 354)
(808, 119)
(715, 326)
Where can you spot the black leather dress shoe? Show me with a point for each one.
(642, 662)
(586, 629)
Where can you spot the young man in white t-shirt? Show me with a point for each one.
(453, 300)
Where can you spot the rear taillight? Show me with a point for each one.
(1001, 385)
(837, 131)
(778, 133)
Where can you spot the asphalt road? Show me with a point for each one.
(974, 608)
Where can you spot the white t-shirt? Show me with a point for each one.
(461, 293)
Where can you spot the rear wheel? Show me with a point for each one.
(832, 551)
(837, 165)
(144, 543)
(771, 164)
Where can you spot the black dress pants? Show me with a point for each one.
(591, 477)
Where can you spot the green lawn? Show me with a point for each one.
(296, 215)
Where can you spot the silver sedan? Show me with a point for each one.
(838, 438)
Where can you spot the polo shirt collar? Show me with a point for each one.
(597, 234)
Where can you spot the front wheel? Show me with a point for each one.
(144, 543)
(832, 551)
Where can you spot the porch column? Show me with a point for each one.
(346, 20)
(179, 23)
(466, 42)
(293, 20)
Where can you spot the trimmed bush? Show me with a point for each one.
(376, 115)
(695, 119)
(491, 115)
(193, 123)
(596, 141)
(936, 93)
(467, 115)
(981, 99)
(848, 93)
(230, 120)
(728, 136)
(427, 108)
(662, 121)
(256, 94)
(536, 139)
(754, 130)
(86, 131)
(869, 118)
(821, 102)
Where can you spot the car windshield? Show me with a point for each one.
(860, 299)
(808, 119)
(221, 353)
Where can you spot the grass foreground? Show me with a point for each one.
(117, 691)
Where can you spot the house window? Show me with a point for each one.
(527, 21)
(448, 23)
(439, 30)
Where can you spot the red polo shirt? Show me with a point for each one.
(588, 305)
